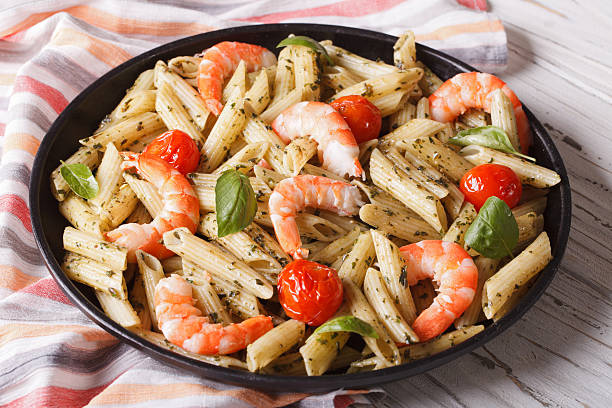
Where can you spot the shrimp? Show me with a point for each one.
(472, 90)
(337, 149)
(181, 207)
(184, 325)
(220, 61)
(294, 194)
(448, 264)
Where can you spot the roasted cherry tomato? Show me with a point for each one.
(362, 116)
(309, 292)
(176, 148)
(488, 180)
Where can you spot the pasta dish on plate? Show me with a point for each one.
(316, 212)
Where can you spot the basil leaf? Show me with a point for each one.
(79, 178)
(235, 202)
(487, 136)
(348, 324)
(306, 42)
(494, 233)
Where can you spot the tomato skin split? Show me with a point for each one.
(309, 292)
(176, 148)
(488, 180)
(362, 116)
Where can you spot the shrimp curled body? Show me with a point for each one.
(183, 325)
(219, 63)
(292, 195)
(473, 90)
(180, 207)
(337, 149)
(449, 265)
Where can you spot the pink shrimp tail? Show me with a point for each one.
(214, 106)
(219, 63)
(183, 325)
(181, 207)
(473, 90)
(336, 145)
(452, 267)
(294, 194)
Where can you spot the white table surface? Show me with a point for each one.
(559, 354)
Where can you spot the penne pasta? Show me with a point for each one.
(356, 64)
(439, 344)
(144, 82)
(237, 80)
(528, 173)
(413, 129)
(358, 260)
(297, 154)
(78, 212)
(530, 225)
(516, 273)
(430, 81)
(392, 269)
(124, 133)
(443, 158)
(190, 99)
(138, 300)
(537, 205)
(151, 272)
(337, 248)
(306, 72)
(258, 96)
(146, 192)
(256, 130)
(284, 80)
(120, 310)
(404, 51)
(94, 274)
(273, 344)
(217, 262)
(486, 269)
(229, 124)
(456, 231)
(377, 87)
(90, 246)
(422, 109)
(245, 159)
(386, 176)
(376, 292)
(405, 114)
(207, 299)
(243, 247)
(399, 224)
(502, 116)
(383, 346)
(174, 114)
(280, 104)
(109, 179)
(475, 117)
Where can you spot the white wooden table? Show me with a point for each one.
(559, 354)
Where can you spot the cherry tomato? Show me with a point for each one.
(362, 116)
(309, 292)
(176, 148)
(488, 180)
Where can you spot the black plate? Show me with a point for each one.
(82, 116)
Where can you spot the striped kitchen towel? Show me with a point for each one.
(51, 355)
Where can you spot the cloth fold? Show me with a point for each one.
(51, 354)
